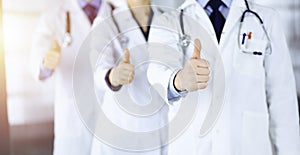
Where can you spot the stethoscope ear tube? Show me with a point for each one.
(124, 40)
(248, 10)
(68, 23)
(181, 22)
(68, 37)
(184, 39)
(252, 12)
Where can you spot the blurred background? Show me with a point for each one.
(30, 103)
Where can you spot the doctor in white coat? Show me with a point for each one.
(121, 69)
(54, 56)
(260, 113)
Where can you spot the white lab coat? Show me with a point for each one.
(260, 113)
(138, 90)
(70, 134)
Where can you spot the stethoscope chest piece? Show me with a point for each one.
(185, 40)
(67, 37)
(124, 40)
(67, 40)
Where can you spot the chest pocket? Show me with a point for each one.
(249, 64)
(245, 62)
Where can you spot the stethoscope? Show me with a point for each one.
(185, 39)
(124, 40)
(67, 41)
(241, 42)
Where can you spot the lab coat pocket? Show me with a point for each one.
(247, 63)
(255, 134)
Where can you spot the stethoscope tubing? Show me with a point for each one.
(185, 43)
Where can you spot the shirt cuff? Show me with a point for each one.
(109, 84)
(173, 94)
(44, 72)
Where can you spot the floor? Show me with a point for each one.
(33, 139)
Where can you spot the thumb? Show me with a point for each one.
(197, 49)
(56, 46)
(126, 58)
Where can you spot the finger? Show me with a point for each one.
(202, 63)
(53, 59)
(202, 71)
(202, 79)
(127, 74)
(53, 55)
(49, 65)
(197, 49)
(131, 76)
(126, 80)
(126, 58)
(56, 46)
(126, 67)
(195, 87)
(202, 85)
(123, 81)
(50, 60)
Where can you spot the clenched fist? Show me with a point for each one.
(195, 74)
(52, 57)
(123, 73)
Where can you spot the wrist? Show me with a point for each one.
(48, 66)
(110, 78)
(177, 82)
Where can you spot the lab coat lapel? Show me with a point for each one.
(80, 15)
(203, 19)
(103, 9)
(126, 22)
(236, 9)
(192, 8)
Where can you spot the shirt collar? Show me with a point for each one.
(203, 3)
(95, 3)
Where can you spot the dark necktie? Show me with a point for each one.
(90, 11)
(216, 17)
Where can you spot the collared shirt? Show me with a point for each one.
(224, 9)
(173, 94)
(95, 3)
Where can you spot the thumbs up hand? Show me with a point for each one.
(195, 74)
(123, 73)
(52, 57)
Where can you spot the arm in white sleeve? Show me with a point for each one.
(173, 94)
(166, 58)
(44, 72)
(104, 13)
(106, 54)
(41, 43)
(281, 94)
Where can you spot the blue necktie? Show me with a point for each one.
(216, 17)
